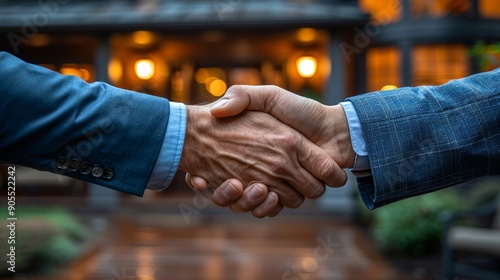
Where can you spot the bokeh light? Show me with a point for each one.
(307, 66)
(144, 69)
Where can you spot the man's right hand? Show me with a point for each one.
(255, 148)
(325, 126)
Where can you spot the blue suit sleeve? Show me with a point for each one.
(426, 138)
(92, 132)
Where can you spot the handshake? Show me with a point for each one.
(260, 147)
(263, 148)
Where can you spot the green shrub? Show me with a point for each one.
(413, 226)
(45, 238)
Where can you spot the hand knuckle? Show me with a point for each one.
(291, 140)
(325, 167)
(280, 166)
(297, 203)
(274, 89)
(235, 88)
(317, 191)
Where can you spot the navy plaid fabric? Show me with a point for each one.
(425, 138)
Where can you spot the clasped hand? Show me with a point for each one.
(262, 161)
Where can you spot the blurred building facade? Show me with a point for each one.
(192, 51)
(188, 51)
(428, 42)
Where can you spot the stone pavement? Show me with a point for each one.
(219, 247)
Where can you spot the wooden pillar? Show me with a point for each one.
(335, 89)
(406, 63)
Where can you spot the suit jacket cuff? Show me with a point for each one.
(362, 163)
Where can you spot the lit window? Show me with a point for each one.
(383, 67)
(437, 64)
(115, 71)
(439, 8)
(382, 11)
(489, 8)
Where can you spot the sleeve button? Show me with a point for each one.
(61, 163)
(108, 173)
(97, 171)
(85, 168)
(73, 164)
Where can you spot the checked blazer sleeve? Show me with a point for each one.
(92, 132)
(425, 138)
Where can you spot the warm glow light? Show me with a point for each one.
(307, 66)
(215, 86)
(85, 74)
(71, 71)
(40, 40)
(208, 82)
(389, 87)
(144, 69)
(306, 35)
(115, 71)
(201, 75)
(76, 70)
(308, 264)
(144, 259)
(143, 37)
(213, 36)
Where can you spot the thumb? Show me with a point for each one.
(234, 102)
(303, 114)
(196, 183)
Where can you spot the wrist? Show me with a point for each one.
(344, 155)
(196, 123)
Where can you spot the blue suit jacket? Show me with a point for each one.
(92, 132)
(425, 138)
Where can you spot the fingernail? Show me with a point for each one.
(220, 103)
(192, 185)
(255, 193)
(230, 191)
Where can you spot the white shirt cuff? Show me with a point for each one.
(171, 150)
(362, 161)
